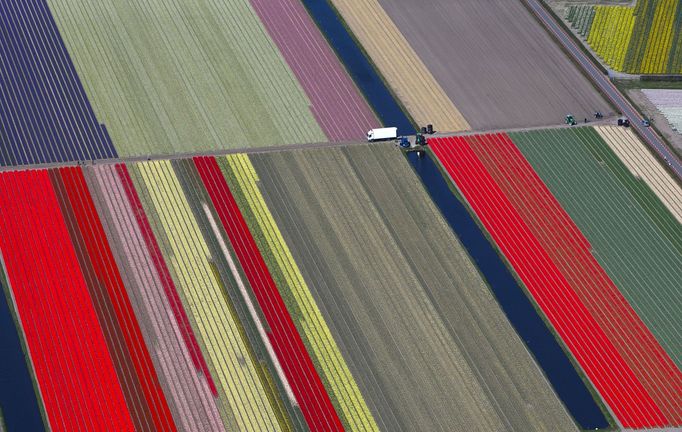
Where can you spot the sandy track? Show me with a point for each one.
(642, 164)
(495, 62)
(400, 65)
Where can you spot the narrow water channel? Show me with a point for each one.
(18, 400)
(517, 306)
(359, 67)
(513, 300)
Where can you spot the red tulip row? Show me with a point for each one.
(74, 368)
(136, 373)
(617, 352)
(169, 287)
(299, 370)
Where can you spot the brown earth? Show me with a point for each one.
(496, 62)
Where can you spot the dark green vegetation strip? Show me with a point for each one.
(644, 15)
(640, 191)
(633, 236)
(675, 59)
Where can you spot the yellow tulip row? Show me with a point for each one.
(333, 369)
(637, 39)
(610, 33)
(245, 402)
(660, 38)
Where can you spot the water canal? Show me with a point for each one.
(513, 300)
(359, 67)
(18, 400)
(517, 306)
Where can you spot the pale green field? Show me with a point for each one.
(178, 76)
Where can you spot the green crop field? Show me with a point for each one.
(646, 38)
(180, 76)
(421, 332)
(633, 235)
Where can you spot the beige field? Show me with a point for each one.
(400, 65)
(642, 164)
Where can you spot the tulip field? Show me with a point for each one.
(198, 233)
(635, 235)
(77, 71)
(174, 299)
(198, 310)
(267, 78)
(309, 321)
(624, 337)
(45, 115)
(91, 369)
(421, 333)
(641, 39)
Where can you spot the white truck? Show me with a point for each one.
(381, 134)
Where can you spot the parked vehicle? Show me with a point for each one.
(381, 134)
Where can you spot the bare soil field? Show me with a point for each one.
(408, 77)
(495, 62)
(421, 332)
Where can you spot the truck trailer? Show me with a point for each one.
(381, 134)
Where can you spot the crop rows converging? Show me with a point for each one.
(299, 372)
(185, 77)
(335, 102)
(646, 38)
(45, 115)
(88, 80)
(309, 321)
(630, 369)
(405, 303)
(218, 294)
(632, 223)
(424, 98)
(148, 304)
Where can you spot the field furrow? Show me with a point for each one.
(400, 65)
(46, 115)
(334, 372)
(122, 331)
(634, 342)
(286, 342)
(602, 197)
(177, 356)
(174, 77)
(336, 103)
